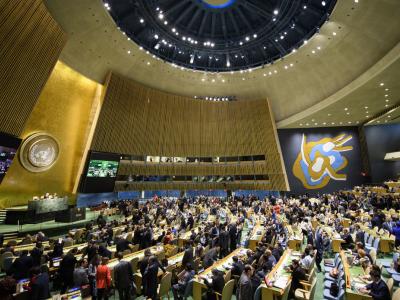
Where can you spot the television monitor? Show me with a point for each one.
(102, 168)
(100, 172)
(8, 148)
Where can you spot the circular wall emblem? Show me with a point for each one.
(39, 152)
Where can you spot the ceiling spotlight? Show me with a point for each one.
(141, 21)
(323, 3)
(345, 108)
(247, 38)
(381, 84)
(165, 22)
(276, 12)
(255, 35)
(161, 16)
(334, 33)
(156, 36)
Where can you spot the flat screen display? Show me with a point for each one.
(8, 148)
(102, 168)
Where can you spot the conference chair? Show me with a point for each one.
(227, 276)
(227, 291)
(165, 285)
(396, 295)
(134, 264)
(307, 293)
(135, 248)
(129, 237)
(390, 284)
(372, 253)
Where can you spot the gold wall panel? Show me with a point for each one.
(30, 44)
(64, 110)
(139, 120)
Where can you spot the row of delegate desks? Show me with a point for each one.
(353, 280)
(279, 280)
(223, 264)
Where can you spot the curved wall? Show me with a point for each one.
(139, 120)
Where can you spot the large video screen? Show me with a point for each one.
(8, 148)
(100, 172)
(102, 168)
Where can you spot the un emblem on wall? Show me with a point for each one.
(39, 152)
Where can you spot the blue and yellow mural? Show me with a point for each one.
(319, 162)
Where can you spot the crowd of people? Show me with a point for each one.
(225, 225)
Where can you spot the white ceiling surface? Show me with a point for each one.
(343, 71)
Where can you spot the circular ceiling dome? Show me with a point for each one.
(220, 35)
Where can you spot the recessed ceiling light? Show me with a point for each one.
(141, 21)
(387, 100)
(129, 51)
(345, 108)
(381, 84)
(334, 33)
(386, 95)
(366, 107)
(323, 3)
(356, 1)
(367, 116)
(386, 105)
(333, 123)
(329, 115)
(386, 89)
(276, 12)
(202, 79)
(347, 113)
(301, 124)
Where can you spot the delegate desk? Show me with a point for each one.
(353, 280)
(295, 238)
(279, 279)
(256, 236)
(223, 265)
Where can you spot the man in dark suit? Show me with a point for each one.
(66, 270)
(298, 274)
(188, 255)
(245, 290)
(123, 276)
(360, 235)
(378, 289)
(150, 282)
(21, 266)
(36, 254)
(237, 266)
(233, 236)
(224, 242)
(190, 221)
(40, 284)
(210, 257)
(216, 285)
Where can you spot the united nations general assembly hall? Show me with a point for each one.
(199, 150)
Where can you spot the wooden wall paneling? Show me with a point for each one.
(30, 44)
(142, 121)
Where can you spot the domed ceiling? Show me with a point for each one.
(220, 35)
